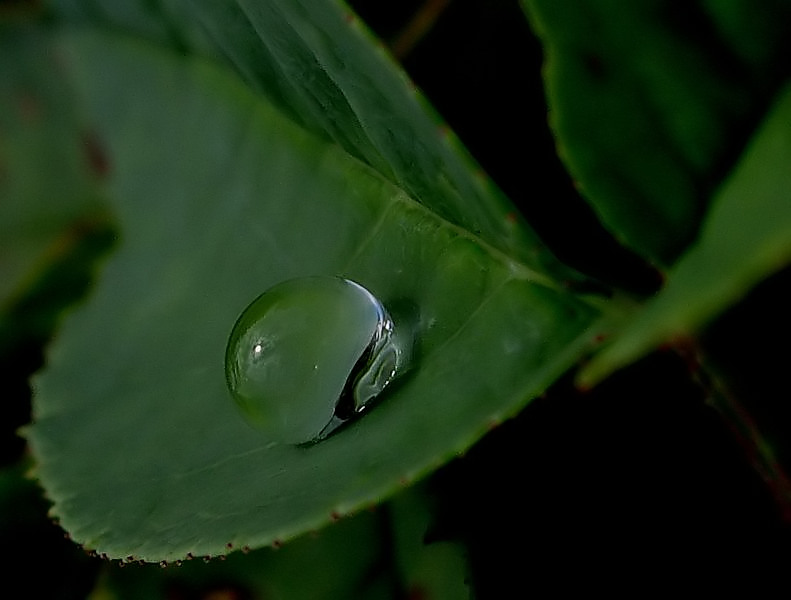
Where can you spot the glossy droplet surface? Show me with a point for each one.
(310, 354)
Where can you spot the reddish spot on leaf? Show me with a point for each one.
(29, 107)
(97, 157)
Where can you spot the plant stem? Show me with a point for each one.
(746, 430)
(417, 27)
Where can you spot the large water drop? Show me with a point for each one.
(310, 354)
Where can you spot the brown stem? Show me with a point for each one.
(745, 429)
(417, 27)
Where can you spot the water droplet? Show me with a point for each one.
(311, 354)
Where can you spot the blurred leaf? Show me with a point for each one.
(48, 164)
(337, 563)
(653, 101)
(746, 237)
(168, 22)
(219, 197)
(429, 569)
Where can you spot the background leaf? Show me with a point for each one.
(48, 167)
(138, 442)
(378, 554)
(167, 22)
(430, 568)
(746, 237)
(347, 560)
(652, 103)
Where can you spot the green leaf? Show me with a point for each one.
(168, 22)
(746, 237)
(48, 197)
(435, 569)
(653, 101)
(318, 64)
(218, 198)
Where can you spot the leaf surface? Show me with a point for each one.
(219, 197)
(652, 103)
(746, 237)
(319, 64)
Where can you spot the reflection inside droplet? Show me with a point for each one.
(310, 354)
